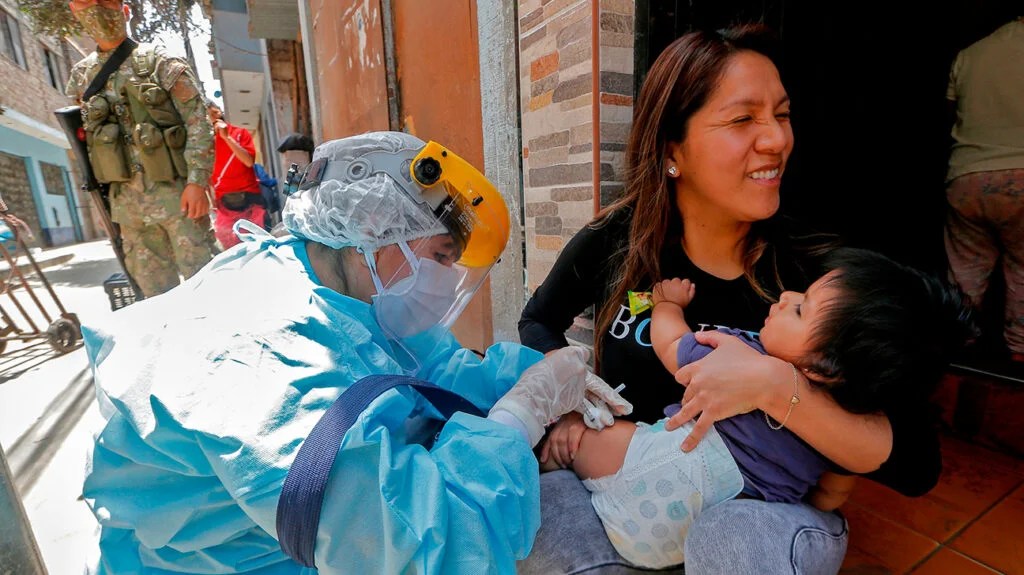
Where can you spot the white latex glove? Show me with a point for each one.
(547, 389)
(601, 404)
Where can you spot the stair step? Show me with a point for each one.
(984, 403)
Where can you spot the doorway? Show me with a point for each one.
(868, 83)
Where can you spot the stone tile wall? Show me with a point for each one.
(557, 100)
(617, 55)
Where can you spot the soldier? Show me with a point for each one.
(148, 137)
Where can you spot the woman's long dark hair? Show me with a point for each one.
(677, 85)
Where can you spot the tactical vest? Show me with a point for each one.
(156, 129)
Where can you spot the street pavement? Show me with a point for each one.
(48, 412)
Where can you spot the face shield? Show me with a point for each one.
(477, 223)
(429, 225)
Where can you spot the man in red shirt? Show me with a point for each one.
(235, 187)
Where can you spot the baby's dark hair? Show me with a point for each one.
(886, 340)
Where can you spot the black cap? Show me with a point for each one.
(296, 141)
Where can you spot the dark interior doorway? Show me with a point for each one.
(868, 82)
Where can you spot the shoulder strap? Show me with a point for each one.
(298, 508)
(113, 63)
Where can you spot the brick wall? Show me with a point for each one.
(557, 99)
(17, 195)
(27, 90)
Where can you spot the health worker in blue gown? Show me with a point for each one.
(211, 389)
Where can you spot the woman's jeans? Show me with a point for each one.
(738, 537)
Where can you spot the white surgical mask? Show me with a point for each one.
(418, 302)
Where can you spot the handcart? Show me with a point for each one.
(61, 332)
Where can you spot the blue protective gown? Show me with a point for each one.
(210, 391)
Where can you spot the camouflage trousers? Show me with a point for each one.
(985, 228)
(159, 243)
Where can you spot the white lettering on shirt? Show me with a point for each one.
(614, 330)
(620, 328)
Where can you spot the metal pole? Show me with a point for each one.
(18, 551)
(387, 18)
(42, 278)
(497, 26)
(10, 287)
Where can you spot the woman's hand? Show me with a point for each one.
(564, 440)
(733, 379)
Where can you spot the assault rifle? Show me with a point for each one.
(70, 118)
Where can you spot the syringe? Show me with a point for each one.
(592, 413)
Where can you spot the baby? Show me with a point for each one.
(872, 332)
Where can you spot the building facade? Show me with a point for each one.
(538, 93)
(258, 58)
(38, 177)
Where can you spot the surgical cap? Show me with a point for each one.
(368, 213)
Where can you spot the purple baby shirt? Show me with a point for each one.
(776, 465)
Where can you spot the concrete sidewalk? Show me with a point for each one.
(43, 260)
(48, 411)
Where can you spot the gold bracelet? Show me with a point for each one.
(792, 402)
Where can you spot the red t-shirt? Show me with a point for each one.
(229, 173)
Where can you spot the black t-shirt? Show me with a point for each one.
(582, 276)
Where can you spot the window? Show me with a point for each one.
(53, 179)
(10, 39)
(54, 69)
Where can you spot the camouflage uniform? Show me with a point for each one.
(159, 242)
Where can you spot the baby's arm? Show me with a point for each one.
(668, 325)
(832, 490)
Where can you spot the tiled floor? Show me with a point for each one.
(971, 523)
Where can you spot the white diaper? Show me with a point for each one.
(648, 506)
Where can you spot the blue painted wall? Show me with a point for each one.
(234, 49)
(58, 218)
(237, 6)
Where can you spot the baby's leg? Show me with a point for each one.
(602, 452)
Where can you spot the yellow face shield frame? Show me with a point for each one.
(475, 212)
